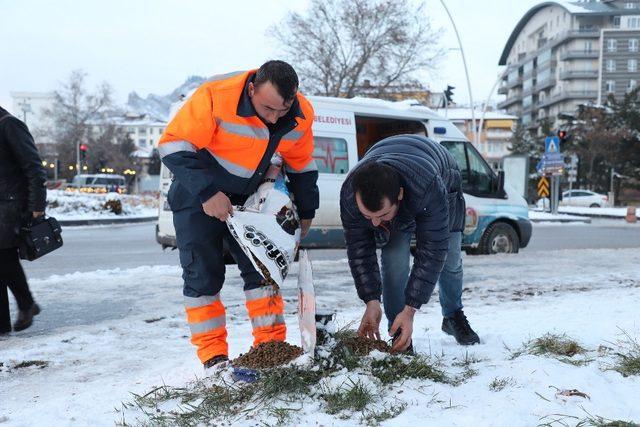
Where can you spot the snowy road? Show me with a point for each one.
(140, 340)
(128, 246)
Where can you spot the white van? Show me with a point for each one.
(497, 218)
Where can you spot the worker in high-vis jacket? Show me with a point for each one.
(218, 147)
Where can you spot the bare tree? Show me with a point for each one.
(70, 117)
(339, 43)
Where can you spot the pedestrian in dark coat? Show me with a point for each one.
(406, 186)
(22, 195)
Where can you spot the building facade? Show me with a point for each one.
(494, 138)
(563, 54)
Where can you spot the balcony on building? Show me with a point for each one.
(579, 54)
(578, 74)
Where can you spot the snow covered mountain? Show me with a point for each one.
(158, 105)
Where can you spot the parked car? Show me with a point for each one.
(584, 198)
(497, 218)
(98, 183)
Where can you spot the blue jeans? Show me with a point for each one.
(395, 274)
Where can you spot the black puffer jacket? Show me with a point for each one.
(432, 206)
(22, 178)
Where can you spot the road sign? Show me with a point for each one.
(543, 187)
(552, 163)
(551, 145)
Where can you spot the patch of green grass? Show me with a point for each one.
(354, 396)
(554, 420)
(27, 363)
(560, 347)
(288, 381)
(499, 384)
(555, 345)
(393, 369)
(389, 411)
(628, 359)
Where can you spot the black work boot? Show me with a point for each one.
(25, 318)
(458, 326)
(216, 360)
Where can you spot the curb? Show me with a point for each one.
(562, 220)
(106, 221)
(598, 216)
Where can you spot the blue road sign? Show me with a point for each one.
(552, 145)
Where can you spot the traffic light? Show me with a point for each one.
(448, 94)
(83, 151)
(563, 136)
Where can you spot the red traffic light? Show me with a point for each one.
(562, 134)
(83, 147)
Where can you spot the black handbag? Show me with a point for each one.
(39, 237)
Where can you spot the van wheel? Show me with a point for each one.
(594, 205)
(499, 238)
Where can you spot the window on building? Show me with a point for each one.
(633, 45)
(633, 22)
(611, 65)
(142, 142)
(632, 65)
(612, 45)
(610, 86)
(629, 5)
(632, 85)
(588, 46)
(616, 22)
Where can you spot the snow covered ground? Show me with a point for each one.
(124, 331)
(621, 212)
(64, 205)
(549, 217)
(583, 210)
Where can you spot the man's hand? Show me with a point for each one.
(305, 225)
(370, 323)
(218, 206)
(404, 322)
(37, 214)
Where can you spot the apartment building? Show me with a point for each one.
(562, 54)
(494, 137)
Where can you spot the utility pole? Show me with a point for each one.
(466, 72)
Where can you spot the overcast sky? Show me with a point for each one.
(151, 46)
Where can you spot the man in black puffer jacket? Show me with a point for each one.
(406, 185)
(22, 194)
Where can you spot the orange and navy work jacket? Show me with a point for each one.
(217, 142)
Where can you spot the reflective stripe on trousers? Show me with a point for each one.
(207, 321)
(266, 310)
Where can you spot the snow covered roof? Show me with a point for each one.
(409, 107)
(465, 114)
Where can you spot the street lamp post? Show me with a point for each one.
(466, 72)
(486, 103)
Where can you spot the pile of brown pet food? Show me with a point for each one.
(362, 346)
(268, 355)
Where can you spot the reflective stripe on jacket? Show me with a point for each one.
(212, 144)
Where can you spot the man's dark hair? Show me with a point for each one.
(375, 181)
(281, 75)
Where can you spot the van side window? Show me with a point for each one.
(477, 177)
(480, 174)
(331, 155)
